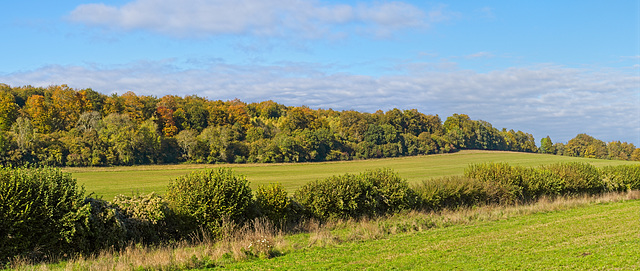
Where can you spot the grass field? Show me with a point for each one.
(601, 236)
(110, 181)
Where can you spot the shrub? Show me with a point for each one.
(34, 203)
(272, 201)
(392, 192)
(94, 226)
(503, 174)
(575, 178)
(623, 177)
(148, 218)
(351, 196)
(208, 196)
(458, 191)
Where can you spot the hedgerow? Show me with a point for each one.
(458, 191)
(372, 193)
(623, 177)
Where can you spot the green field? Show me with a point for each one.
(110, 181)
(594, 237)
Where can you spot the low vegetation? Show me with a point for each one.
(211, 204)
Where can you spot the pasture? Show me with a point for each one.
(598, 236)
(108, 182)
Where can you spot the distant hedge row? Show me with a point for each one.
(44, 213)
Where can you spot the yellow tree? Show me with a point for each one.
(635, 155)
(133, 106)
(84, 101)
(112, 105)
(237, 111)
(165, 116)
(8, 110)
(40, 114)
(67, 105)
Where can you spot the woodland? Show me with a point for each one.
(62, 126)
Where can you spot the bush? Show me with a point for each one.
(96, 225)
(392, 192)
(576, 178)
(623, 177)
(503, 174)
(208, 196)
(458, 191)
(148, 218)
(34, 205)
(272, 201)
(351, 196)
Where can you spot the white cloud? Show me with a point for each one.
(271, 18)
(543, 100)
(480, 55)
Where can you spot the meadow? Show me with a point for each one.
(598, 236)
(108, 182)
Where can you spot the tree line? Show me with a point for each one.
(62, 126)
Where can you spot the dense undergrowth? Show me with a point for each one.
(45, 215)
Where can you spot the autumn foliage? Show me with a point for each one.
(61, 126)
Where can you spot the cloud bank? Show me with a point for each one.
(271, 18)
(543, 100)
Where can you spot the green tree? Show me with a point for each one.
(118, 134)
(546, 146)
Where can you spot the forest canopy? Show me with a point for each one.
(62, 126)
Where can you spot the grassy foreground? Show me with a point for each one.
(578, 233)
(111, 181)
(601, 236)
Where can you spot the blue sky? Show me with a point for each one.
(554, 68)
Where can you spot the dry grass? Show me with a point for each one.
(260, 239)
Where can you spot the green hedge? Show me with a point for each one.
(149, 219)
(273, 202)
(351, 196)
(623, 177)
(458, 191)
(524, 184)
(208, 197)
(576, 178)
(96, 225)
(37, 208)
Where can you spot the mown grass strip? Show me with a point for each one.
(599, 236)
(110, 181)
